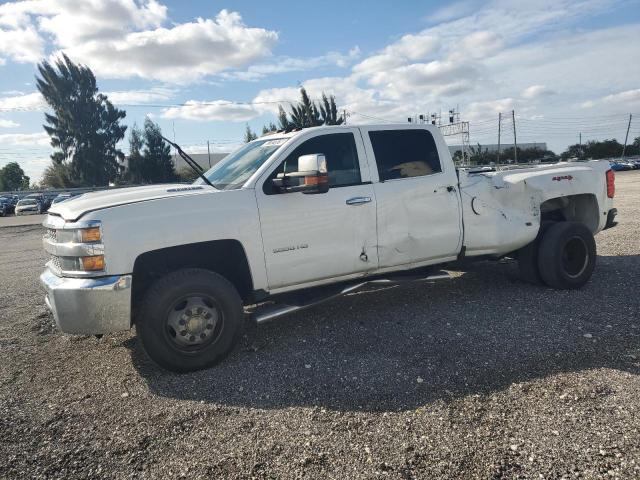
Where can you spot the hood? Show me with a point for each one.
(74, 208)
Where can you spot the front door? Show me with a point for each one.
(311, 238)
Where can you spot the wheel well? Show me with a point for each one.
(581, 208)
(225, 257)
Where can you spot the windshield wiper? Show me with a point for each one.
(189, 161)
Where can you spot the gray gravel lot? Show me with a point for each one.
(476, 377)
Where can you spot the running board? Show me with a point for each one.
(309, 299)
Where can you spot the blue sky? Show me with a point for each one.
(204, 69)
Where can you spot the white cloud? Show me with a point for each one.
(537, 91)
(28, 101)
(627, 99)
(140, 96)
(182, 54)
(127, 38)
(4, 123)
(452, 11)
(489, 108)
(21, 44)
(289, 64)
(25, 139)
(409, 47)
(211, 111)
(478, 45)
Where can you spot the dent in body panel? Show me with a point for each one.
(502, 210)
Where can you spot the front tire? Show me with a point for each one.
(567, 255)
(190, 319)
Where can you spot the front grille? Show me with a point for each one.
(55, 261)
(51, 234)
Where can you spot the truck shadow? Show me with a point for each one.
(402, 347)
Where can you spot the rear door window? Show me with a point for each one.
(404, 153)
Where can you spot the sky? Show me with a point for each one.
(203, 70)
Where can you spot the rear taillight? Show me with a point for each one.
(611, 183)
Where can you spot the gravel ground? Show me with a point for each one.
(476, 377)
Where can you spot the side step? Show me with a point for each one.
(304, 299)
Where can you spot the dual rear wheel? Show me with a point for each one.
(563, 256)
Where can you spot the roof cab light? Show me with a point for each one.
(611, 183)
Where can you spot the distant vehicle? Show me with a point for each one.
(621, 167)
(62, 197)
(6, 206)
(29, 206)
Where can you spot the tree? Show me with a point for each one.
(137, 170)
(596, 150)
(57, 175)
(85, 126)
(157, 155)
(305, 113)
(187, 175)
(12, 177)
(283, 121)
(270, 127)
(249, 135)
(329, 111)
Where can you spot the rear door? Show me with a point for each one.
(417, 200)
(313, 238)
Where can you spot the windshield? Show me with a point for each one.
(235, 169)
(28, 201)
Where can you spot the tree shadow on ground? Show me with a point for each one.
(402, 347)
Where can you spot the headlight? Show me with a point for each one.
(76, 248)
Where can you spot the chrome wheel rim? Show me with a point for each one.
(193, 322)
(575, 257)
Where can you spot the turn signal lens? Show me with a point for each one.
(90, 234)
(93, 263)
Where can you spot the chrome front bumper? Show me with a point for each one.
(89, 305)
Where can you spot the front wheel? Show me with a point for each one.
(189, 320)
(567, 255)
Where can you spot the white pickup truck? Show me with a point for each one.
(294, 218)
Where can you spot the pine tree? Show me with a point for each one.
(137, 171)
(157, 155)
(329, 111)
(84, 126)
(249, 135)
(283, 121)
(268, 128)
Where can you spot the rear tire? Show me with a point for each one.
(527, 258)
(567, 255)
(190, 319)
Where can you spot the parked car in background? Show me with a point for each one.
(29, 206)
(7, 206)
(621, 166)
(61, 197)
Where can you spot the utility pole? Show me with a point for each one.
(626, 137)
(209, 153)
(515, 140)
(344, 115)
(499, 128)
(581, 145)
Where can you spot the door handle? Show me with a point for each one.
(358, 200)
